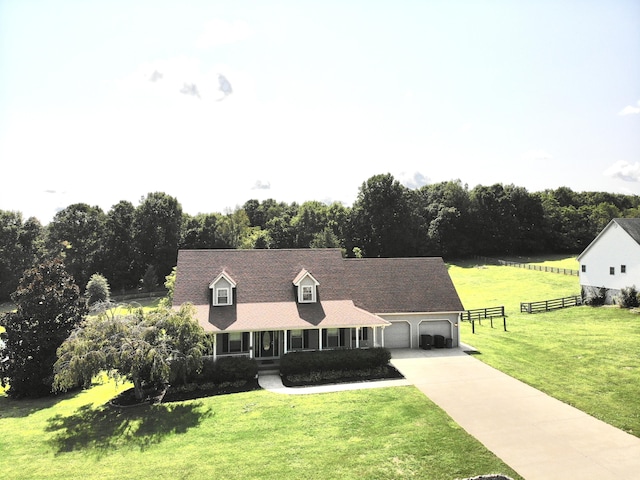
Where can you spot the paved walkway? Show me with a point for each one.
(536, 435)
(273, 383)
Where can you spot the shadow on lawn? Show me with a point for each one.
(106, 428)
(23, 407)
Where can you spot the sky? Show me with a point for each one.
(218, 102)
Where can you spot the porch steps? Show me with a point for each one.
(269, 367)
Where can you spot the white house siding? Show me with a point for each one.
(445, 324)
(612, 248)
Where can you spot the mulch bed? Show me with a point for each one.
(127, 398)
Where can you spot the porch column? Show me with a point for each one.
(320, 338)
(215, 347)
(382, 337)
(284, 343)
(357, 337)
(251, 335)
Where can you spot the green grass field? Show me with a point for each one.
(584, 356)
(386, 433)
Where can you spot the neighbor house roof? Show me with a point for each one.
(350, 291)
(629, 225)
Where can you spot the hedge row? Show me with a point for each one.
(294, 363)
(223, 370)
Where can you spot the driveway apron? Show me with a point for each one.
(535, 434)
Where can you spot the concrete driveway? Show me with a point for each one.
(536, 435)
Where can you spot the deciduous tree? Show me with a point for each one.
(142, 348)
(382, 218)
(20, 249)
(157, 225)
(77, 232)
(49, 307)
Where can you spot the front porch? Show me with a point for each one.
(268, 346)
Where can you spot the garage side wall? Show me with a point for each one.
(410, 326)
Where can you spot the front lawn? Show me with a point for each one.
(383, 433)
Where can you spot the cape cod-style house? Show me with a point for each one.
(265, 303)
(612, 260)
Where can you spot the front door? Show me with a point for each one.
(268, 345)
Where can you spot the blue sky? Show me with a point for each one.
(104, 101)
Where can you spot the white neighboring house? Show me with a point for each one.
(612, 259)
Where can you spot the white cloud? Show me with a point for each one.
(413, 180)
(260, 185)
(630, 110)
(629, 172)
(166, 79)
(220, 32)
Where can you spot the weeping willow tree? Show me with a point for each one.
(144, 348)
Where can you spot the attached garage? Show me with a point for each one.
(435, 327)
(397, 335)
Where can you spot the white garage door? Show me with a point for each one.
(397, 335)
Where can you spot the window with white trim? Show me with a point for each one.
(223, 296)
(584, 269)
(307, 287)
(623, 269)
(333, 337)
(235, 342)
(307, 293)
(222, 290)
(612, 270)
(297, 339)
(363, 334)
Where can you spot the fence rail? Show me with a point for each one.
(529, 266)
(478, 314)
(547, 305)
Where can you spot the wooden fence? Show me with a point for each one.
(547, 305)
(479, 314)
(529, 266)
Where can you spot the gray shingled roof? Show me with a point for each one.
(631, 226)
(359, 287)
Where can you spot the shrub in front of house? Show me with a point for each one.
(225, 370)
(594, 297)
(298, 368)
(234, 369)
(628, 297)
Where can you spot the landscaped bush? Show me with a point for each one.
(595, 297)
(628, 297)
(333, 360)
(223, 370)
(225, 375)
(234, 369)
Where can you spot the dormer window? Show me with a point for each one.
(222, 296)
(307, 293)
(307, 287)
(222, 288)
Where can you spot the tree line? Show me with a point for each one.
(387, 219)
